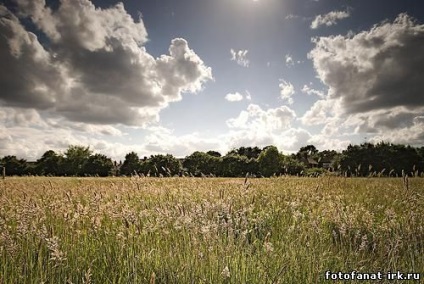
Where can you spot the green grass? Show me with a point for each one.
(189, 230)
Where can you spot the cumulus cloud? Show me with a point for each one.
(259, 120)
(31, 80)
(161, 140)
(234, 97)
(240, 56)
(374, 77)
(286, 91)
(329, 19)
(288, 140)
(20, 117)
(324, 142)
(31, 143)
(99, 72)
(319, 113)
(412, 134)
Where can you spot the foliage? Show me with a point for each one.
(314, 172)
(50, 164)
(165, 165)
(75, 159)
(234, 165)
(292, 166)
(200, 163)
(14, 166)
(381, 159)
(98, 165)
(307, 151)
(270, 161)
(249, 152)
(131, 164)
(214, 154)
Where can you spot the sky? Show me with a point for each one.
(174, 77)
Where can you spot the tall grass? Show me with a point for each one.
(188, 230)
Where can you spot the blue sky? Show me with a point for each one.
(179, 76)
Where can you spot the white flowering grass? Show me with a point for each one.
(190, 230)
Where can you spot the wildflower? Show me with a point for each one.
(56, 255)
(364, 243)
(225, 272)
(268, 247)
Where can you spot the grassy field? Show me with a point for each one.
(192, 230)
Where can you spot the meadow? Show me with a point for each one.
(208, 230)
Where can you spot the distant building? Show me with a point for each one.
(326, 163)
(309, 162)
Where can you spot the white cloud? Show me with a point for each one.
(291, 16)
(31, 143)
(98, 72)
(248, 96)
(289, 60)
(286, 91)
(329, 19)
(310, 91)
(234, 97)
(288, 141)
(319, 113)
(324, 142)
(259, 120)
(373, 80)
(161, 140)
(411, 135)
(240, 56)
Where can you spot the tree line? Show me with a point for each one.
(367, 159)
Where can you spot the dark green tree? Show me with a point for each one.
(14, 166)
(50, 164)
(292, 166)
(270, 161)
(75, 159)
(382, 158)
(249, 152)
(99, 165)
(200, 163)
(307, 151)
(214, 154)
(131, 164)
(234, 165)
(165, 165)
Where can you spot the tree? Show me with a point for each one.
(307, 151)
(75, 159)
(292, 166)
(49, 164)
(165, 165)
(234, 165)
(14, 166)
(131, 164)
(382, 158)
(98, 164)
(249, 152)
(270, 161)
(200, 163)
(214, 154)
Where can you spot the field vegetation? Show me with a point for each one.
(207, 230)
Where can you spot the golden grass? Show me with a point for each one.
(192, 230)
